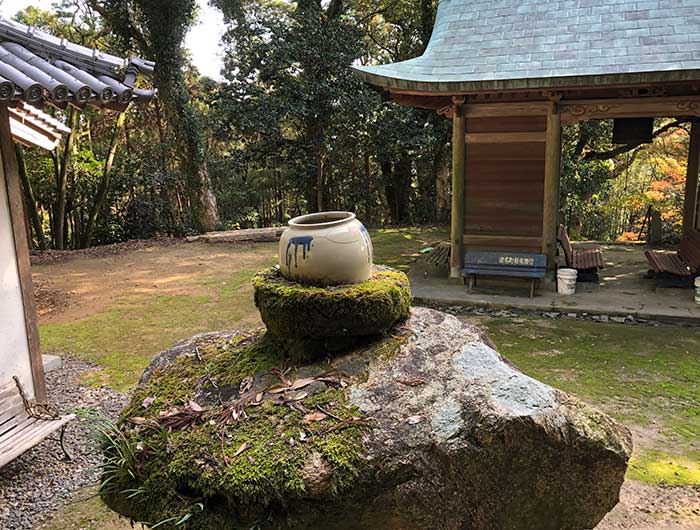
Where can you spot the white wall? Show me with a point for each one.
(14, 347)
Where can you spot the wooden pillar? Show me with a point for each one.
(552, 174)
(691, 182)
(459, 156)
(19, 231)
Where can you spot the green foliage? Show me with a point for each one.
(606, 190)
(306, 133)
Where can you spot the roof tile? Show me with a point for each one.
(523, 42)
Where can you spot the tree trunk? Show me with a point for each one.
(320, 181)
(400, 188)
(442, 194)
(30, 199)
(165, 25)
(62, 183)
(103, 187)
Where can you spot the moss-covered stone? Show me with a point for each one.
(305, 312)
(217, 471)
(426, 428)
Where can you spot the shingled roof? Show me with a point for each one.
(37, 67)
(539, 44)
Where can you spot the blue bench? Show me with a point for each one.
(504, 264)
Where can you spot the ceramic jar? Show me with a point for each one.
(327, 248)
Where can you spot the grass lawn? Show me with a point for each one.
(126, 308)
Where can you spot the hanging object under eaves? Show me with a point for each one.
(37, 67)
(32, 127)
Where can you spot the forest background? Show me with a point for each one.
(289, 129)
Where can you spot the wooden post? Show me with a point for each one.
(18, 219)
(459, 151)
(691, 182)
(552, 173)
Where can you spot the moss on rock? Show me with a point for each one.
(305, 312)
(287, 447)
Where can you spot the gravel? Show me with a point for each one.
(35, 484)
(554, 315)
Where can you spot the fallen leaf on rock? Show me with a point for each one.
(246, 385)
(315, 416)
(244, 447)
(415, 420)
(302, 383)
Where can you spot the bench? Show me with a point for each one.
(684, 264)
(504, 264)
(24, 424)
(583, 260)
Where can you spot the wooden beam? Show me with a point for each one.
(19, 231)
(691, 182)
(506, 137)
(479, 239)
(552, 173)
(649, 107)
(459, 159)
(500, 110)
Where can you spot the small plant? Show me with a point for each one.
(120, 455)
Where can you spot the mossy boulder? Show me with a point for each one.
(304, 312)
(427, 427)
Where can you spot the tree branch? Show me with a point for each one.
(612, 153)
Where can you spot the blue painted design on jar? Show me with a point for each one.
(305, 243)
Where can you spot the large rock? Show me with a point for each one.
(429, 428)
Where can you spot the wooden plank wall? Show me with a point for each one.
(505, 183)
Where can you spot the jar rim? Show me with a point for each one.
(322, 219)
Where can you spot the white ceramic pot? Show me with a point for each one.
(327, 248)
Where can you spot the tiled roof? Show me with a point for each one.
(519, 44)
(36, 67)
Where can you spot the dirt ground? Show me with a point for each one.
(75, 287)
(70, 286)
(645, 507)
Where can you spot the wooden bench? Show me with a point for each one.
(590, 259)
(24, 424)
(504, 264)
(684, 264)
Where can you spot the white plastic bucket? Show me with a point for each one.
(697, 290)
(566, 281)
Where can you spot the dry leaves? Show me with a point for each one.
(314, 417)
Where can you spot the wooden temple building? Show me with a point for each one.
(510, 73)
(37, 71)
